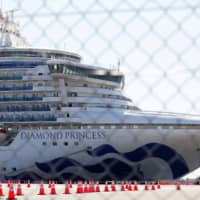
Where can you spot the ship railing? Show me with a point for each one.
(165, 113)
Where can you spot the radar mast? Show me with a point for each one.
(9, 31)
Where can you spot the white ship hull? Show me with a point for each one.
(101, 154)
(52, 90)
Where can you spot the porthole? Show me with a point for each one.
(44, 143)
(54, 143)
(14, 169)
(89, 148)
(65, 143)
(4, 169)
(76, 143)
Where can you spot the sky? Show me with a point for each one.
(156, 41)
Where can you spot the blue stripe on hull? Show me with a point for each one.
(118, 169)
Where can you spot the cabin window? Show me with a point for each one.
(54, 143)
(65, 143)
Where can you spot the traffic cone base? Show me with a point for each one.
(97, 188)
(11, 194)
(41, 191)
(130, 188)
(86, 189)
(106, 189)
(53, 191)
(135, 188)
(1, 191)
(122, 187)
(79, 188)
(67, 186)
(113, 188)
(146, 187)
(19, 192)
(178, 187)
(153, 187)
(66, 191)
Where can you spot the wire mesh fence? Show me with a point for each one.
(156, 44)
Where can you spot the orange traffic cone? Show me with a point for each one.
(127, 185)
(113, 188)
(122, 187)
(146, 186)
(1, 190)
(106, 189)
(178, 186)
(79, 188)
(11, 194)
(91, 187)
(53, 189)
(86, 189)
(28, 184)
(41, 191)
(153, 186)
(158, 185)
(66, 188)
(97, 187)
(70, 183)
(135, 187)
(19, 189)
(9, 183)
(49, 186)
(130, 187)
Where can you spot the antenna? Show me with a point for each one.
(1, 4)
(118, 64)
(11, 12)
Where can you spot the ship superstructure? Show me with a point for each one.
(62, 119)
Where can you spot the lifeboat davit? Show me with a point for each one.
(3, 135)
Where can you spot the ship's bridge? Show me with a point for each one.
(83, 70)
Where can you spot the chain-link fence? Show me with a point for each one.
(156, 44)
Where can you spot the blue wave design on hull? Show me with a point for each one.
(156, 150)
(117, 169)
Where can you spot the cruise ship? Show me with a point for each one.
(62, 119)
